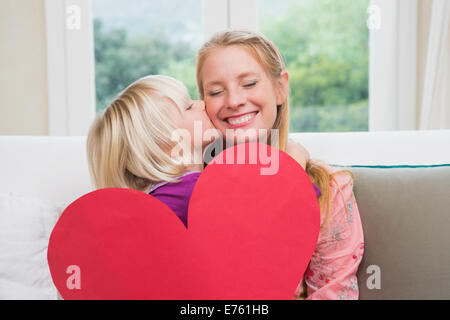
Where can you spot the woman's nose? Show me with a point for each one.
(236, 98)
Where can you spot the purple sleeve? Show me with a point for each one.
(176, 195)
(317, 190)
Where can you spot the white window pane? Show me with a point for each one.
(135, 38)
(325, 47)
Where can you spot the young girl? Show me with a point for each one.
(130, 144)
(242, 78)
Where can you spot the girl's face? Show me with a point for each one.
(195, 120)
(238, 93)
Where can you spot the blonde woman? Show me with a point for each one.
(243, 80)
(132, 143)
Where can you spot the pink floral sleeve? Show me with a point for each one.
(331, 273)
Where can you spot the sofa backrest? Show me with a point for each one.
(405, 214)
(55, 169)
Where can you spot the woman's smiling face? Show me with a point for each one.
(237, 91)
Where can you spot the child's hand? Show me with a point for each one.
(298, 152)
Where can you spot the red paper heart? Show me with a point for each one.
(249, 236)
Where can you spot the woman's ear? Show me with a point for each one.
(283, 87)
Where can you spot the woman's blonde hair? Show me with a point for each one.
(268, 56)
(129, 143)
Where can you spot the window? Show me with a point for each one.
(324, 43)
(135, 38)
(325, 47)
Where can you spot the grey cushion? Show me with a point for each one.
(405, 213)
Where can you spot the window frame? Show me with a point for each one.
(393, 66)
(71, 61)
(70, 68)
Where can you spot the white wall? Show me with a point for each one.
(23, 76)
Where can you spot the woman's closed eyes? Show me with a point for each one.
(215, 93)
(246, 85)
(250, 84)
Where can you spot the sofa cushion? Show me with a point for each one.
(405, 213)
(25, 227)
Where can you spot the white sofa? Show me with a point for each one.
(54, 171)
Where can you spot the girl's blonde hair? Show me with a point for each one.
(268, 56)
(129, 143)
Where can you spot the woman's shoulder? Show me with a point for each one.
(342, 179)
(341, 176)
(340, 191)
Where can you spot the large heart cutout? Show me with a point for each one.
(250, 235)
